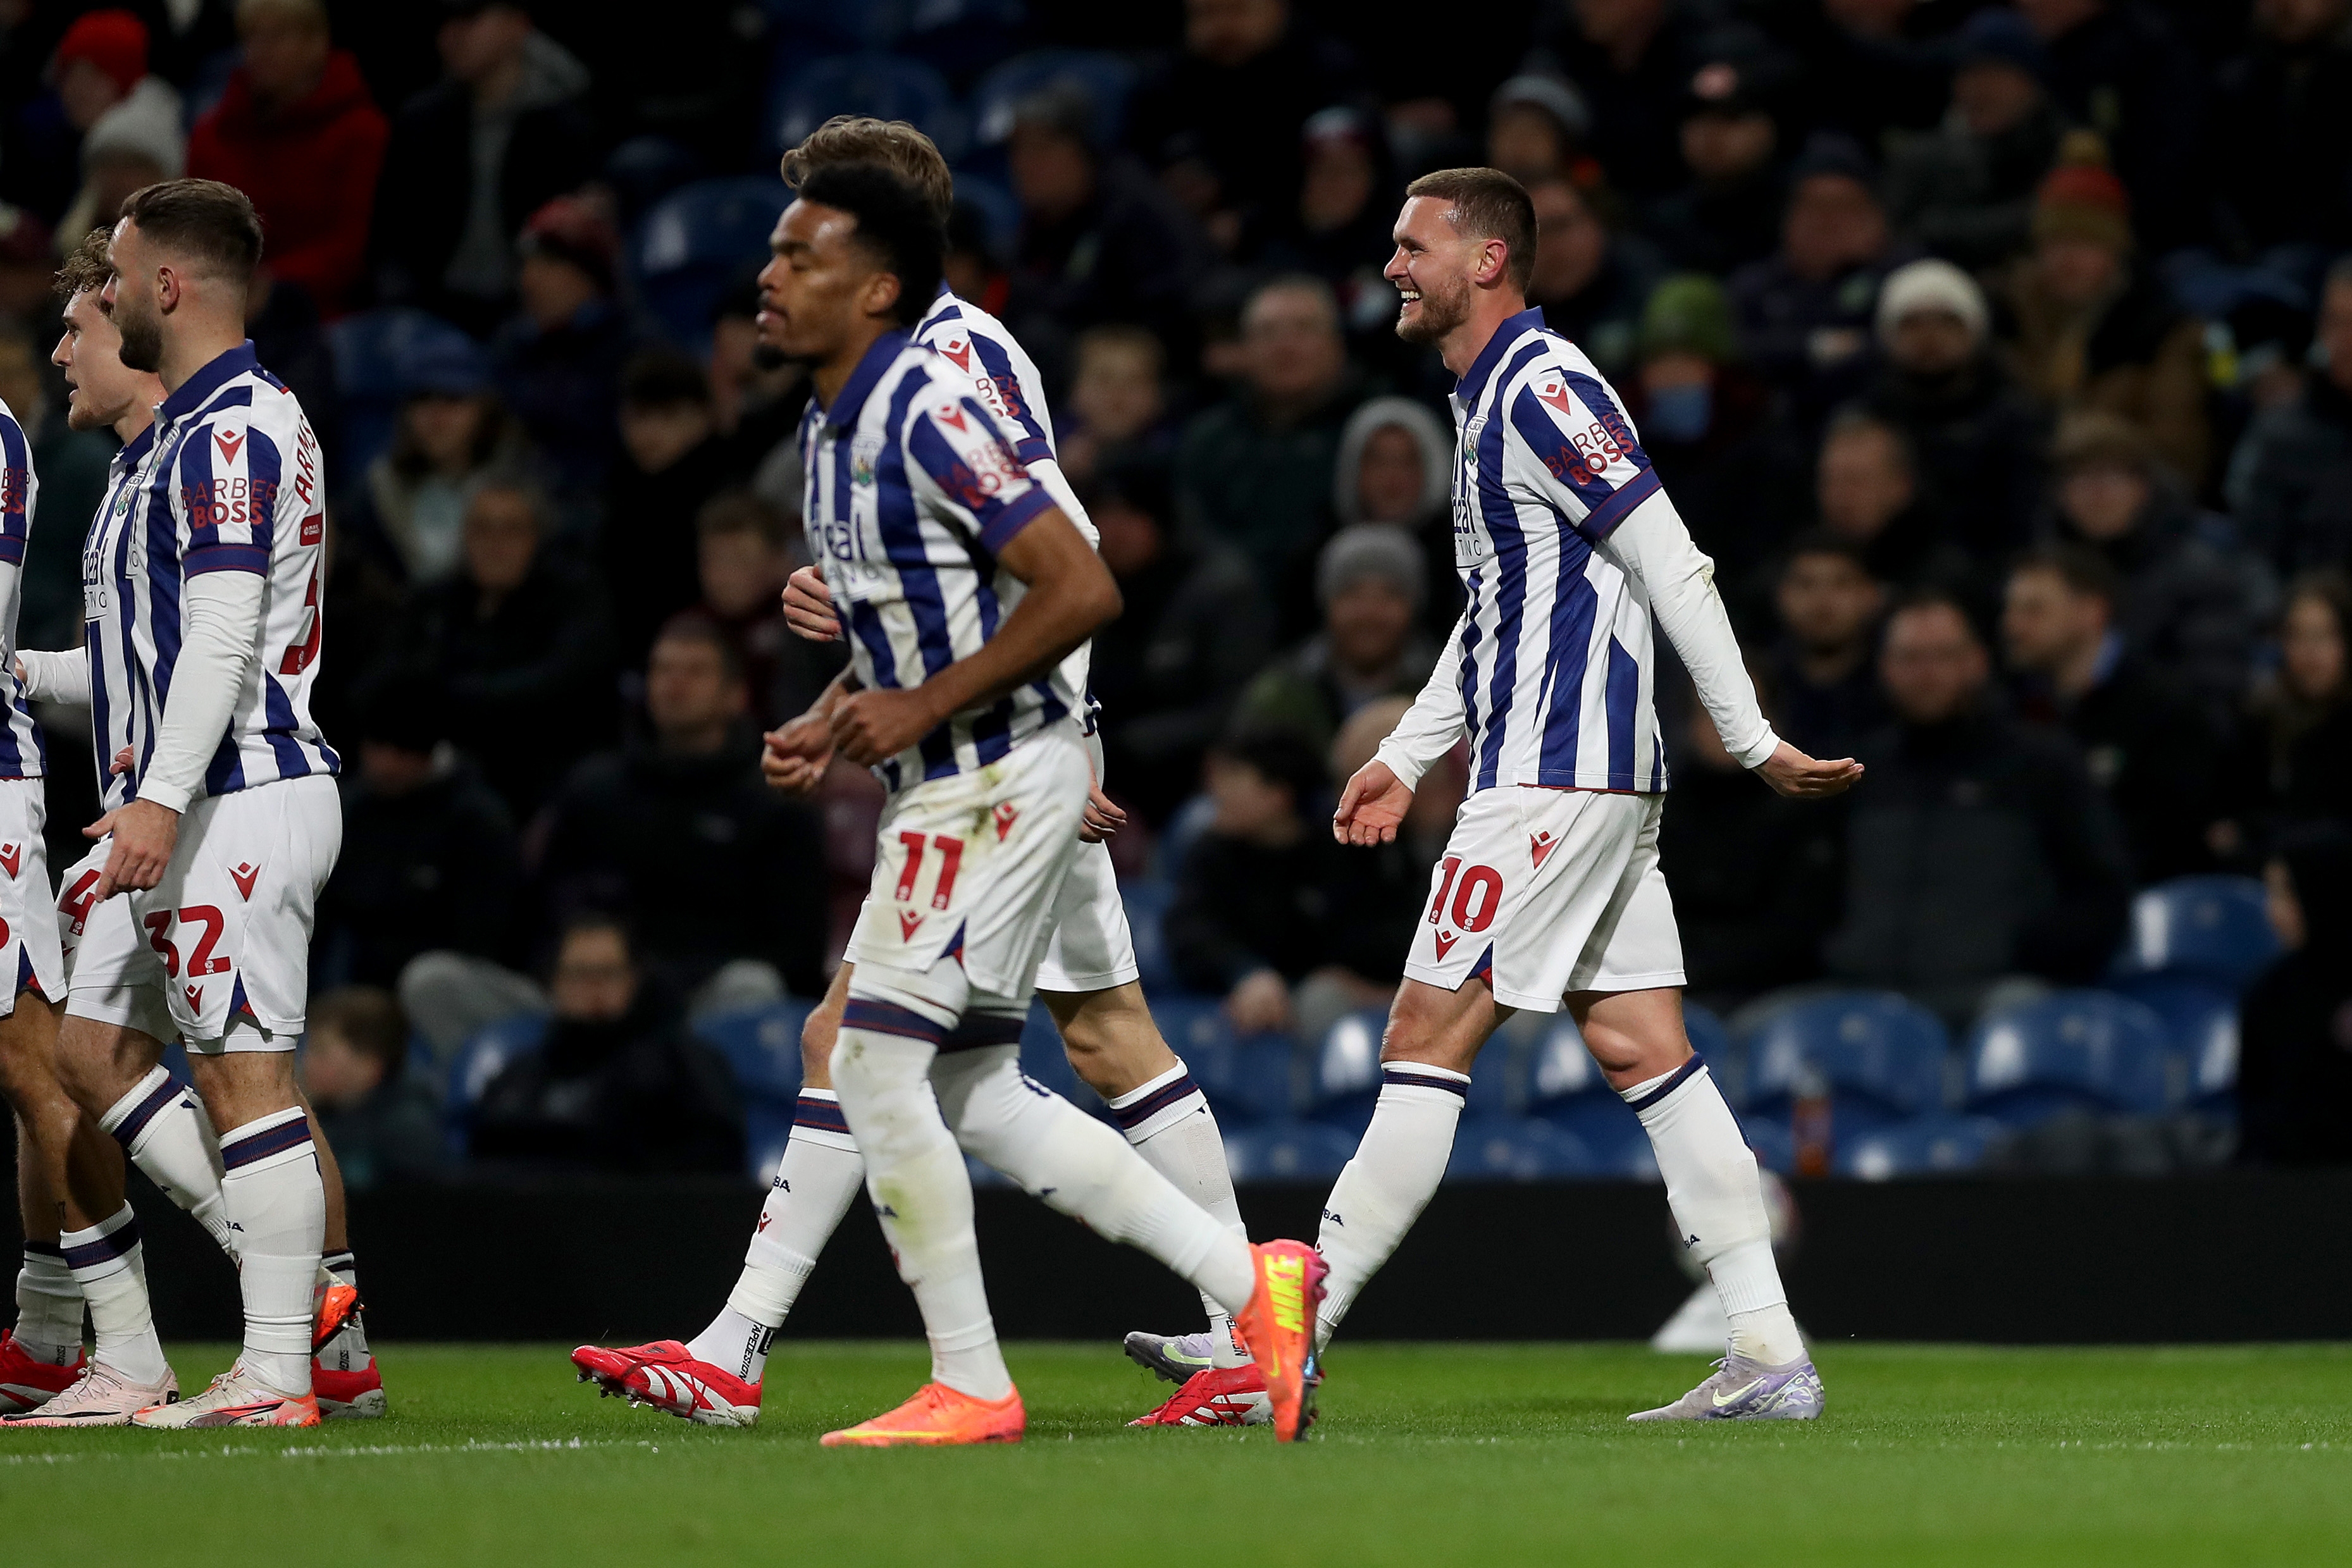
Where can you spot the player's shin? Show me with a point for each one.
(1168, 1122)
(166, 1135)
(1394, 1174)
(273, 1196)
(1718, 1206)
(916, 1177)
(110, 1268)
(1084, 1169)
(820, 1174)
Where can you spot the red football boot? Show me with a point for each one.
(666, 1376)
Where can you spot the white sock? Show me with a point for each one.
(1395, 1172)
(820, 1174)
(49, 1306)
(274, 1199)
(1718, 1206)
(166, 1135)
(111, 1266)
(1168, 1122)
(1076, 1165)
(916, 1176)
(348, 1350)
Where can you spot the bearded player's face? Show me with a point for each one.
(1432, 270)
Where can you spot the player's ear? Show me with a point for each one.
(1494, 259)
(881, 293)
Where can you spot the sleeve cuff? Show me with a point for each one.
(1032, 447)
(168, 796)
(1758, 755)
(1016, 516)
(12, 548)
(1407, 770)
(1603, 520)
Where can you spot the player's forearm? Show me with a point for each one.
(1432, 726)
(60, 678)
(1653, 547)
(224, 610)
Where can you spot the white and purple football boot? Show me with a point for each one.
(1744, 1390)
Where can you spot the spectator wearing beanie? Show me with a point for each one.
(2092, 328)
(1396, 466)
(136, 143)
(1966, 189)
(99, 65)
(1706, 422)
(1975, 436)
(1370, 582)
(558, 359)
(296, 131)
(453, 436)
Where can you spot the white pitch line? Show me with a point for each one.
(329, 1451)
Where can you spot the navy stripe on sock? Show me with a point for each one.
(116, 1243)
(1671, 1084)
(823, 1116)
(127, 1131)
(890, 1018)
(239, 1152)
(1402, 1076)
(44, 1250)
(1130, 1117)
(978, 1030)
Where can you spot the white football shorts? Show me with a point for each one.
(226, 933)
(1544, 892)
(28, 923)
(974, 865)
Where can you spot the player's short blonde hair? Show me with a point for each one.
(893, 143)
(87, 266)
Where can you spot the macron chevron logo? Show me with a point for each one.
(230, 442)
(1540, 848)
(1445, 940)
(1556, 394)
(908, 924)
(11, 857)
(244, 874)
(961, 353)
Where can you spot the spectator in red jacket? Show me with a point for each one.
(296, 131)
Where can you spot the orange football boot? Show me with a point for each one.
(1278, 1328)
(936, 1417)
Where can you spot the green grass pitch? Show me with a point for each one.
(1427, 1454)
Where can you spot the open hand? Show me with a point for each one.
(1102, 819)
(144, 834)
(1801, 777)
(808, 607)
(1371, 807)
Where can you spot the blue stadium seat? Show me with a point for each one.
(1247, 1077)
(1775, 1148)
(888, 86)
(763, 1047)
(373, 351)
(479, 1062)
(2088, 1050)
(2201, 1020)
(2214, 926)
(1518, 1149)
(695, 241)
(1925, 1145)
(1345, 1079)
(1105, 78)
(1287, 1151)
(1147, 899)
(1564, 1088)
(1726, 1061)
(1881, 1056)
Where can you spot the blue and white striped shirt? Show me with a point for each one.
(22, 753)
(1553, 651)
(229, 479)
(911, 488)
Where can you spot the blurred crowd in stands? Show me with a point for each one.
(1999, 355)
